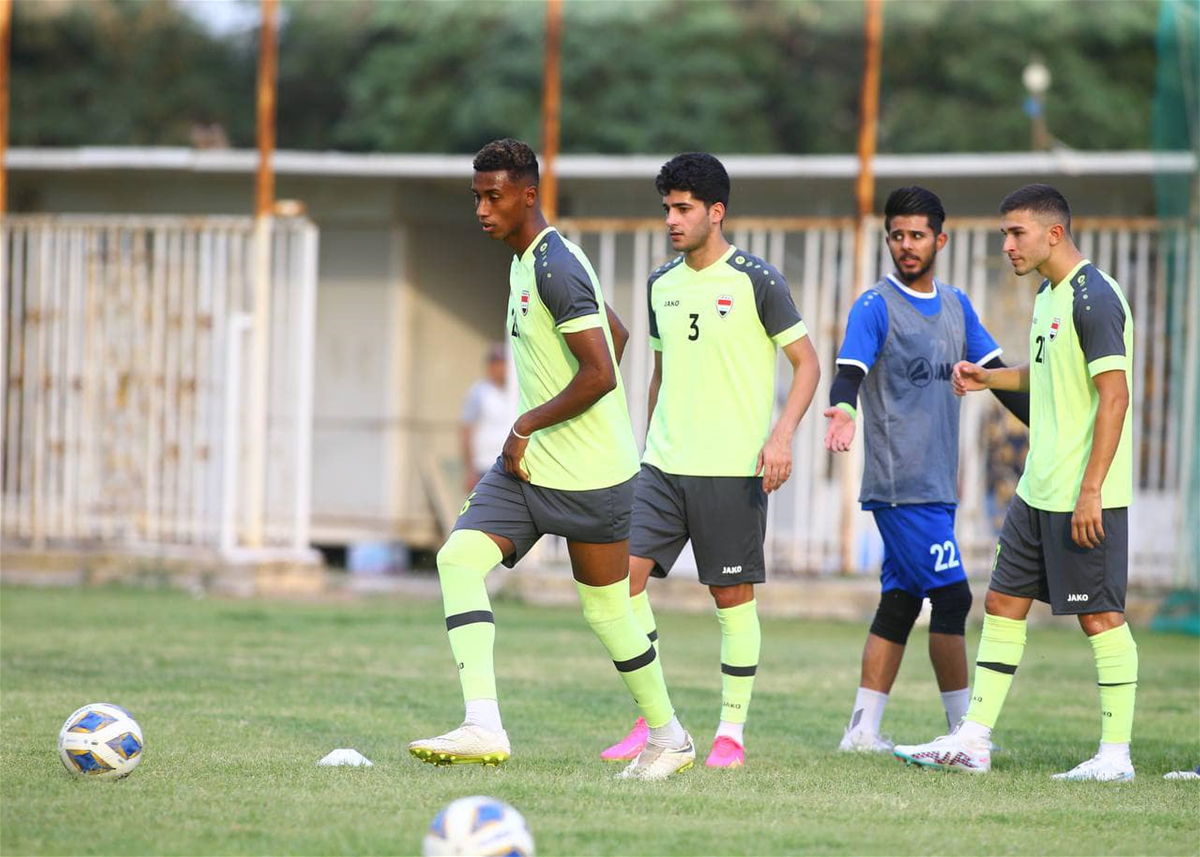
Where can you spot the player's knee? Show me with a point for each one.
(466, 552)
(949, 608)
(732, 596)
(895, 616)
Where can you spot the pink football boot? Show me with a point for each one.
(726, 753)
(627, 748)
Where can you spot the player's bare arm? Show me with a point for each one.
(620, 334)
(775, 459)
(655, 386)
(595, 378)
(1087, 528)
(969, 378)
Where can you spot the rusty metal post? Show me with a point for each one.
(264, 203)
(864, 197)
(551, 100)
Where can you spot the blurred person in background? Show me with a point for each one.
(568, 468)
(718, 317)
(903, 337)
(487, 415)
(1065, 540)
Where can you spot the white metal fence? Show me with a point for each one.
(1155, 263)
(129, 388)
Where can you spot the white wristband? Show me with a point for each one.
(518, 434)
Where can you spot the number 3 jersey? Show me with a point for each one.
(718, 330)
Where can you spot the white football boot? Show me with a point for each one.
(656, 762)
(1102, 768)
(468, 744)
(857, 741)
(947, 753)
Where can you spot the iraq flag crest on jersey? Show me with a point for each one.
(524, 301)
(1055, 323)
(724, 305)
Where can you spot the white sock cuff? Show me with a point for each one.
(485, 713)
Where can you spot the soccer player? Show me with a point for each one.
(568, 467)
(903, 337)
(1065, 538)
(717, 316)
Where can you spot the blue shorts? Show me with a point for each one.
(919, 549)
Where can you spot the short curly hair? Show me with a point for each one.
(514, 157)
(699, 173)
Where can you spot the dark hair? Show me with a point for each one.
(698, 173)
(512, 156)
(1039, 199)
(914, 200)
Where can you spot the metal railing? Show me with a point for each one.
(127, 380)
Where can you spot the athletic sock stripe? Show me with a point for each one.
(469, 618)
(1007, 669)
(744, 672)
(644, 659)
(1114, 683)
(653, 635)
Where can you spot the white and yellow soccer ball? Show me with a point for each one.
(480, 826)
(101, 740)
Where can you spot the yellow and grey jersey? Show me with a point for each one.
(554, 291)
(718, 330)
(1081, 328)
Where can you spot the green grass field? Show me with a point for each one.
(238, 700)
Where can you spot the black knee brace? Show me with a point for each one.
(950, 604)
(897, 612)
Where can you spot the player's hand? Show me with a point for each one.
(774, 463)
(513, 452)
(1087, 521)
(840, 434)
(968, 378)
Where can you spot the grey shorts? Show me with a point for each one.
(1036, 558)
(724, 516)
(523, 513)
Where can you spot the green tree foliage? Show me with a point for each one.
(122, 73)
(755, 76)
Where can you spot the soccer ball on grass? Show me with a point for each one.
(480, 826)
(101, 740)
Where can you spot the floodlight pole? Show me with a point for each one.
(551, 100)
(864, 197)
(264, 203)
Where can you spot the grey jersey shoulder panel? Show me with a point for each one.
(1098, 315)
(910, 414)
(563, 283)
(654, 277)
(772, 297)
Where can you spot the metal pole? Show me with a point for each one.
(264, 186)
(551, 99)
(5, 41)
(864, 196)
(264, 202)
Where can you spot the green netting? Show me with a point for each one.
(1177, 129)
